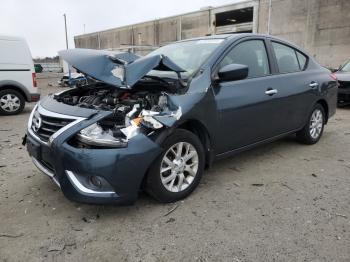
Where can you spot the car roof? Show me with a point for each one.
(240, 35)
(221, 36)
(11, 38)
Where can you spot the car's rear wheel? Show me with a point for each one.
(313, 129)
(178, 170)
(11, 102)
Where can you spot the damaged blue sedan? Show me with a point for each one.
(154, 123)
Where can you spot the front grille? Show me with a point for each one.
(48, 125)
(343, 84)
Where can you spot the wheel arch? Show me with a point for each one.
(325, 106)
(199, 129)
(16, 88)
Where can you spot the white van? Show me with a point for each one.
(17, 75)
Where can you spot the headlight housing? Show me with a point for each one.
(95, 135)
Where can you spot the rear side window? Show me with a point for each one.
(302, 60)
(288, 59)
(251, 53)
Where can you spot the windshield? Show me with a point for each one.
(346, 67)
(189, 55)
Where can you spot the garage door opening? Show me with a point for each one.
(234, 17)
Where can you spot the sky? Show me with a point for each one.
(41, 21)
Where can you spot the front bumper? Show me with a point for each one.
(71, 168)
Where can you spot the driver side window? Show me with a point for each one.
(251, 53)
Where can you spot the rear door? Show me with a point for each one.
(247, 108)
(296, 85)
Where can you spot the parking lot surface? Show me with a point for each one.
(280, 202)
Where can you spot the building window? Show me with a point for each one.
(238, 16)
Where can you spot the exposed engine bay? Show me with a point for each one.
(132, 110)
(122, 103)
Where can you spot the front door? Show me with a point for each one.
(247, 109)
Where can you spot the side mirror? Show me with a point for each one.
(233, 72)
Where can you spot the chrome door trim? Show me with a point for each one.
(271, 92)
(313, 84)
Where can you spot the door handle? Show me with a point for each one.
(313, 84)
(271, 91)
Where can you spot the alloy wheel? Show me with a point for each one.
(316, 124)
(179, 167)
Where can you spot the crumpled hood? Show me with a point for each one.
(117, 69)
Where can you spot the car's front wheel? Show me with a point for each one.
(178, 170)
(313, 129)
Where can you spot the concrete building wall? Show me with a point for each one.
(144, 37)
(168, 31)
(87, 41)
(321, 27)
(144, 34)
(195, 25)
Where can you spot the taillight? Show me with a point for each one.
(34, 80)
(334, 77)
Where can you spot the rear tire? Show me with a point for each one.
(11, 102)
(178, 170)
(313, 130)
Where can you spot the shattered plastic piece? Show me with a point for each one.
(131, 114)
(178, 113)
(130, 131)
(154, 123)
(133, 110)
(137, 121)
(148, 113)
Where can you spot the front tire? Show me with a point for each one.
(178, 170)
(313, 130)
(11, 102)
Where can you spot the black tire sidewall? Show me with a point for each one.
(20, 97)
(154, 185)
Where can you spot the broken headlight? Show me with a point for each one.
(95, 135)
